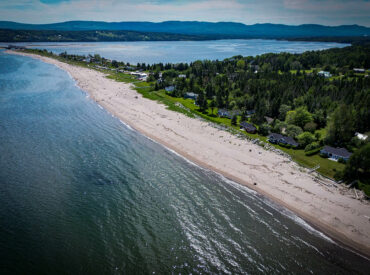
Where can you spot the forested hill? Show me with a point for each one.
(220, 29)
(90, 36)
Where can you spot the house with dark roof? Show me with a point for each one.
(248, 127)
(250, 112)
(277, 138)
(227, 113)
(170, 88)
(336, 153)
(191, 96)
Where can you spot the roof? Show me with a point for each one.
(269, 120)
(361, 136)
(170, 88)
(191, 95)
(275, 136)
(290, 141)
(287, 140)
(247, 125)
(227, 113)
(342, 152)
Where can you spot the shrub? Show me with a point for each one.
(312, 146)
(293, 131)
(285, 145)
(305, 138)
(264, 129)
(310, 127)
(341, 160)
(312, 152)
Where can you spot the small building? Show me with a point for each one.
(335, 153)
(227, 113)
(170, 89)
(140, 75)
(248, 127)
(361, 136)
(182, 76)
(250, 112)
(191, 96)
(223, 113)
(289, 141)
(324, 74)
(269, 120)
(358, 70)
(277, 138)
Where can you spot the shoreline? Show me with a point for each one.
(328, 209)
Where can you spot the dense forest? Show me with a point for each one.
(317, 98)
(11, 36)
(281, 85)
(89, 36)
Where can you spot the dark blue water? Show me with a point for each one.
(183, 51)
(80, 193)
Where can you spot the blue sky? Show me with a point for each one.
(294, 12)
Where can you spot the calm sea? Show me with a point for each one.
(183, 51)
(81, 193)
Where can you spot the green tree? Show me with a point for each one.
(212, 105)
(240, 64)
(310, 127)
(264, 129)
(293, 131)
(358, 166)
(341, 126)
(283, 110)
(234, 120)
(305, 138)
(299, 117)
(279, 126)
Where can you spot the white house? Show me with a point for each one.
(324, 74)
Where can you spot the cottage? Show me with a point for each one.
(269, 120)
(289, 141)
(223, 113)
(250, 112)
(324, 74)
(335, 153)
(191, 96)
(248, 127)
(227, 113)
(358, 70)
(170, 88)
(277, 138)
(361, 136)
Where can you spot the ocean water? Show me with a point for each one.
(81, 193)
(183, 51)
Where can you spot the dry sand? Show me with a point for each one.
(331, 208)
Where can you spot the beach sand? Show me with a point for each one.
(331, 208)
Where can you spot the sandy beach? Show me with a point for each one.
(331, 208)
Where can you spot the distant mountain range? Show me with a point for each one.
(205, 29)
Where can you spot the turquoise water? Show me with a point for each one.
(81, 193)
(183, 51)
